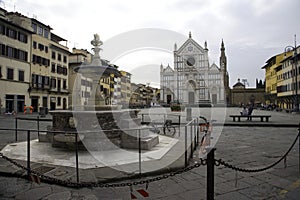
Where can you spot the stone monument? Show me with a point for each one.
(99, 126)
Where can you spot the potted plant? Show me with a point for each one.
(177, 106)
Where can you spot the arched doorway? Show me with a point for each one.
(191, 86)
(214, 96)
(191, 98)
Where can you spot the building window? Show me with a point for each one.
(2, 29)
(40, 30)
(64, 84)
(59, 57)
(2, 49)
(65, 59)
(10, 74)
(58, 101)
(46, 80)
(11, 33)
(22, 55)
(34, 44)
(53, 83)
(22, 37)
(41, 47)
(34, 27)
(46, 49)
(0, 72)
(46, 33)
(53, 67)
(53, 55)
(9, 51)
(21, 75)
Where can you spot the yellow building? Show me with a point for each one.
(272, 73)
(286, 76)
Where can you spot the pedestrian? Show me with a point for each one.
(31, 109)
(244, 111)
(250, 110)
(25, 109)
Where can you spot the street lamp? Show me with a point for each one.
(245, 81)
(294, 48)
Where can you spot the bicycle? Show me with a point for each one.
(206, 128)
(168, 128)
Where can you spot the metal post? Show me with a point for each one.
(299, 146)
(179, 125)
(16, 129)
(197, 127)
(195, 138)
(140, 154)
(28, 153)
(296, 78)
(76, 147)
(191, 129)
(210, 174)
(185, 148)
(38, 125)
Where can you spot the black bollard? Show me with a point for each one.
(210, 174)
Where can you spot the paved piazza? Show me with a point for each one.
(250, 146)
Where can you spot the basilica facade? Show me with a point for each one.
(193, 80)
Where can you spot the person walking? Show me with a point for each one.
(250, 110)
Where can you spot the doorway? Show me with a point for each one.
(35, 103)
(169, 98)
(191, 99)
(214, 98)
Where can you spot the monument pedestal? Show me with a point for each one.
(130, 138)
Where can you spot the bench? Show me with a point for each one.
(250, 117)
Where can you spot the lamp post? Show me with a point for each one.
(245, 81)
(294, 48)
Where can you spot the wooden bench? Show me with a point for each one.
(250, 117)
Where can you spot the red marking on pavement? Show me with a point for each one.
(142, 193)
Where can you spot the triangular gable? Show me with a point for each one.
(168, 69)
(187, 42)
(214, 67)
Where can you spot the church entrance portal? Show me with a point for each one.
(214, 98)
(169, 98)
(191, 98)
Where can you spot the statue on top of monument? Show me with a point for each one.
(96, 41)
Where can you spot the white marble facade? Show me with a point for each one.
(193, 80)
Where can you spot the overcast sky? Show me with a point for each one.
(252, 30)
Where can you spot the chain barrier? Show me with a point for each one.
(203, 162)
(106, 185)
(219, 162)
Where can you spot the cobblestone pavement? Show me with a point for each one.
(248, 147)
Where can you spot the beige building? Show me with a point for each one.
(15, 51)
(240, 95)
(48, 63)
(122, 89)
(77, 58)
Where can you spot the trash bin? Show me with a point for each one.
(42, 111)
